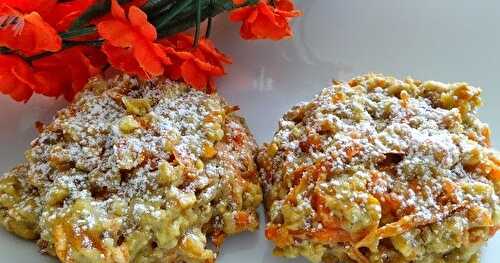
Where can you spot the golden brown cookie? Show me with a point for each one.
(135, 172)
(382, 170)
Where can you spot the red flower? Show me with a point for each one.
(132, 39)
(264, 21)
(138, 3)
(16, 78)
(67, 72)
(196, 66)
(126, 7)
(123, 59)
(42, 7)
(60, 15)
(30, 34)
(65, 13)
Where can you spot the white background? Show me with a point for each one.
(446, 40)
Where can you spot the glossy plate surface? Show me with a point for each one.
(447, 40)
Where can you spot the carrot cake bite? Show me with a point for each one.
(135, 171)
(382, 170)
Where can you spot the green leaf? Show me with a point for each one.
(174, 11)
(180, 23)
(78, 32)
(153, 6)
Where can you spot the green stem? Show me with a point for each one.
(78, 32)
(197, 23)
(67, 44)
(4, 51)
(210, 16)
(95, 43)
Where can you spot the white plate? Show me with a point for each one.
(452, 40)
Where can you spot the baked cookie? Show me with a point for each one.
(382, 170)
(135, 172)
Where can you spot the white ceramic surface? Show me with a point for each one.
(446, 40)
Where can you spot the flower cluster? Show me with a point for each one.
(265, 21)
(53, 47)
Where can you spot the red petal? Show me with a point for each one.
(139, 2)
(192, 75)
(117, 32)
(95, 55)
(184, 55)
(287, 14)
(173, 72)
(147, 59)
(246, 31)
(263, 28)
(49, 83)
(207, 46)
(21, 93)
(65, 13)
(47, 38)
(8, 82)
(123, 59)
(211, 86)
(66, 73)
(34, 37)
(28, 6)
(139, 20)
(251, 18)
(161, 53)
(241, 14)
(209, 68)
(285, 5)
(16, 78)
(117, 11)
(238, 2)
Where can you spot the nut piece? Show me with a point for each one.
(128, 124)
(208, 151)
(199, 164)
(139, 107)
(169, 147)
(214, 131)
(57, 195)
(166, 173)
(97, 85)
(272, 149)
(186, 199)
(193, 246)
